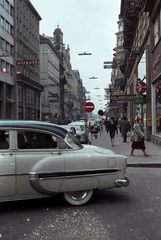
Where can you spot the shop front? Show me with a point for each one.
(155, 122)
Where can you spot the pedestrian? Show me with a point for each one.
(138, 138)
(106, 123)
(124, 128)
(112, 127)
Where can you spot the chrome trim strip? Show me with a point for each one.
(72, 174)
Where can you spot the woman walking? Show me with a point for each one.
(112, 127)
(138, 138)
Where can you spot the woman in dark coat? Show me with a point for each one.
(112, 127)
(138, 138)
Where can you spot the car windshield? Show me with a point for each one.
(72, 141)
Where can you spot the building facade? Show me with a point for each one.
(137, 54)
(8, 98)
(28, 83)
(49, 78)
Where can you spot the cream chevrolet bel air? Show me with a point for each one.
(39, 159)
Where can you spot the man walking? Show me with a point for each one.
(124, 128)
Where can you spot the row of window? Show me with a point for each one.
(6, 25)
(26, 52)
(6, 46)
(7, 6)
(32, 38)
(32, 97)
(157, 28)
(28, 72)
(6, 67)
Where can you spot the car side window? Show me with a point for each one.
(4, 140)
(37, 140)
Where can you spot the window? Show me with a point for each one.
(12, 70)
(7, 67)
(11, 30)
(2, 21)
(4, 140)
(156, 31)
(7, 47)
(11, 49)
(7, 5)
(2, 2)
(11, 10)
(2, 43)
(30, 96)
(20, 93)
(7, 26)
(57, 39)
(37, 140)
(3, 64)
(38, 99)
(20, 113)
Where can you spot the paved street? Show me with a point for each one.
(132, 213)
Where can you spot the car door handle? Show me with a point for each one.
(56, 153)
(7, 154)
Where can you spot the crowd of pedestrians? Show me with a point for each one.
(124, 126)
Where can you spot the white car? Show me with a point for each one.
(82, 132)
(39, 159)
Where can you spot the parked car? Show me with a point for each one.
(81, 131)
(39, 159)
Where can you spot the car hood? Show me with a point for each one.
(98, 149)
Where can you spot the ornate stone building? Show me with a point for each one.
(49, 78)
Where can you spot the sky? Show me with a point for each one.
(87, 26)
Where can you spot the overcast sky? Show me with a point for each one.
(87, 26)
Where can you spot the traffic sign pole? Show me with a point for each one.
(89, 107)
(89, 128)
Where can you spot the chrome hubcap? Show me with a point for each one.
(78, 195)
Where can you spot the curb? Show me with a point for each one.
(144, 165)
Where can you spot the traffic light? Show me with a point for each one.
(82, 102)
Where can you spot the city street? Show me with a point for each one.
(117, 214)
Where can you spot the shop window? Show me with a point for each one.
(158, 107)
(20, 113)
(38, 99)
(8, 110)
(20, 93)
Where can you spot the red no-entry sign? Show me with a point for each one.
(141, 87)
(89, 106)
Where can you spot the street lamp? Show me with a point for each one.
(96, 88)
(84, 53)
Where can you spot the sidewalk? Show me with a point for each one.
(154, 160)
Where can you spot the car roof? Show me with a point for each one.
(62, 132)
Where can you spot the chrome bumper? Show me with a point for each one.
(122, 182)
